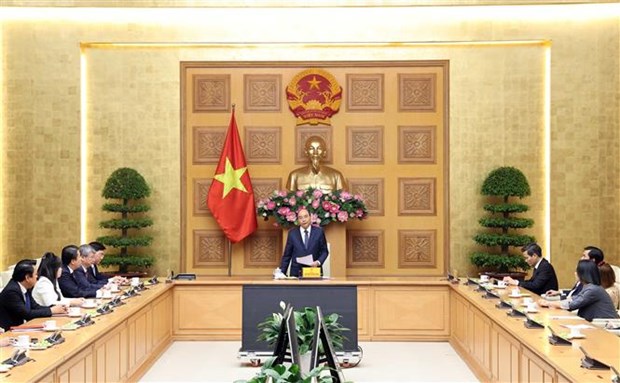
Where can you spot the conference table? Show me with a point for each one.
(122, 345)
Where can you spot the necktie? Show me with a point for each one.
(306, 238)
(27, 298)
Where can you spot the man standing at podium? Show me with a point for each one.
(302, 241)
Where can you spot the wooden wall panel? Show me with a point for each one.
(392, 125)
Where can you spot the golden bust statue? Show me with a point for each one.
(316, 175)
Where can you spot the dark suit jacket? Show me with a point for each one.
(95, 277)
(71, 288)
(13, 311)
(317, 246)
(543, 279)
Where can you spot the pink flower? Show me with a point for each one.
(271, 205)
(326, 205)
(334, 208)
(333, 215)
(281, 193)
(315, 204)
(357, 197)
(345, 196)
(292, 201)
(343, 216)
(291, 216)
(317, 193)
(300, 193)
(359, 212)
(314, 218)
(284, 211)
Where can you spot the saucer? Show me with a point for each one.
(77, 315)
(5, 367)
(580, 336)
(499, 287)
(515, 296)
(51, 329)
(91, 306)
(531, 311)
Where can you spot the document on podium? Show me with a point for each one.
(305, 260)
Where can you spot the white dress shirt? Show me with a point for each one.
(43, 293)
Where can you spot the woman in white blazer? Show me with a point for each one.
(46, 291)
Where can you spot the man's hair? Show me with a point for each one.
(595, 254)
(587, 272)
(97, 246)
(68, 254)
(532, 249)
(23, 268)
(86, 250)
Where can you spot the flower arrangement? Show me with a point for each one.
(339, 206)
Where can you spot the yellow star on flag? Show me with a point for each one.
(314, 83)
(231, 178)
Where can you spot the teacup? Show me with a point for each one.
(532, 307)
(516, 292)
(484, 278)
(22, 341)
(501, 284)
(90, 302)
(99, 294)
(49, 325)
(527, 300)
(75, 311)
(135, 281)
(106, 294)
(114, 287)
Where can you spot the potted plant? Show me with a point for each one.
(305, 321)
(128, 186)
(502, 185)
(287, 373)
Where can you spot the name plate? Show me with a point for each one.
(311, 272)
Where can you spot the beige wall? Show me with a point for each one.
(496, 116)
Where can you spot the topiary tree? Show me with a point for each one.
(502, 184)
(128, 186)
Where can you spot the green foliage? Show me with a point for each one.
(503, 182)
(511, 222)
(287, 374)
(499, 239)
(126, 223)
(120, 208)
(129, 186)
(141, 261)
(506, 208)
(304, 326)
(120, 241)
(498, 262)
(126, 183)
(506, 182)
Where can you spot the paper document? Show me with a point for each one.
(305, 260)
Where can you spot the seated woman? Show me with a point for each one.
(46, 291)
(592, 301)
(608, 282)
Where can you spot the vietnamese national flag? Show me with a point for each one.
(231, 198)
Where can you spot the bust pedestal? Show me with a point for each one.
(336, 235)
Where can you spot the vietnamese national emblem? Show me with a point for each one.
(314, 96)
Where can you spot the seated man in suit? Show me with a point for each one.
(94, 269)
(301, 241)
(16, 303)
(543, 278)
(68, 283)
(82, 274)
(590, 253)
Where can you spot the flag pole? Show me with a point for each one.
(229, 242)
(229, 258)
